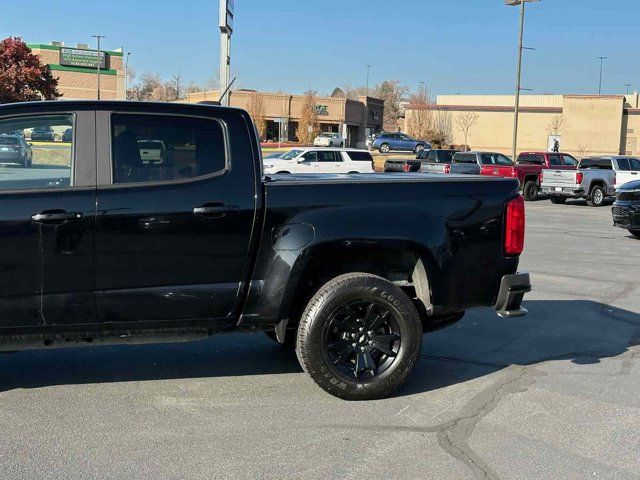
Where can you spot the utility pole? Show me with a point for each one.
(126, 77)
(226, 30)
(628, 87)
(99, 37)
(516, 115)
(368, 70)
(602, 59)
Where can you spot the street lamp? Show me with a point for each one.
(368, 70)
(602, 59)
(99, 60)
(521, 3)
(628, 87)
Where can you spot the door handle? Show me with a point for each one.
(55, 216)
(215, 210)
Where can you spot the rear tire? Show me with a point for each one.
(384, 148)
(635, 233)
(359, 337)
(419, 149)
(531, 190)
(557, 200)
(596, 197)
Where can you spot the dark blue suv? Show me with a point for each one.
(385, 142)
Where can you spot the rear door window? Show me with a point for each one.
(487, 159)
(151, 148)
(555, 160)
(569, 160)
(328, 156)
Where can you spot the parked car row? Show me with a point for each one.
(527, 168)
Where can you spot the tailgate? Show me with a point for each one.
(559, 178)
(498, 171)
(434, 168)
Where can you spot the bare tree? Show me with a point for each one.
(420, 118)
(582, 150)
(425, 121)
(256, 111)
(464, 122)
(555, 125)
(148, 84)
(308, 126)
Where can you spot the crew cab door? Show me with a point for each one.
(47, 222)
(172, 239)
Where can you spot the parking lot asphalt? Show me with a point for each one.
(555, 394)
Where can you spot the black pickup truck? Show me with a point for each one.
(157, 224)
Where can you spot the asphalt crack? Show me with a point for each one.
(453, 437)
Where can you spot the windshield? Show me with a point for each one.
(9, 141)
(291, 154)
(151, 145)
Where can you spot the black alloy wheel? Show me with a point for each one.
(362, 339)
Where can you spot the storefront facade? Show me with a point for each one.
(353, 119)
(77, 71)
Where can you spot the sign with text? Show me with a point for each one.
(75, 57)
(322, 110)
(226, 16)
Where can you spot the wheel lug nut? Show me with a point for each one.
(370, 342)
(361, 329)
(353, 344)
(362, 349)
(353, 335)
(369, 332)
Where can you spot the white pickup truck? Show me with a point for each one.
(595, 179)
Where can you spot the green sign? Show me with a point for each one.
(75, 57)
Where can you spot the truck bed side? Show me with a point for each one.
(395, 226)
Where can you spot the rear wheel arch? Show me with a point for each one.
(411, 268)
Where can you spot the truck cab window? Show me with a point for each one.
(151, 148)
(36, 152)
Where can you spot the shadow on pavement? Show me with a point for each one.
(581, 331)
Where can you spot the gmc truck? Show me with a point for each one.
(595, 180)
(529, 167)
(102, 246)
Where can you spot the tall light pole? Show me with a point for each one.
(628, 87)
(602, 59)
(516, 114)
(368, 70)
(126, 77)
(99, 37)
(226, 29)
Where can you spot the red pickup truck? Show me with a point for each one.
(530, 165)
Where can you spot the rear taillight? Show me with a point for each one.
(447, 169)
(541, 177)
(615, 179)
(406, 168)
(514, 227)
(579, 178)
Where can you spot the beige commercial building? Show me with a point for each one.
(354, 119)
(582, 124)
(77, 70)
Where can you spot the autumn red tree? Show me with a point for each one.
(23, 77)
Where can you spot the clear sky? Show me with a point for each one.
(455, 46)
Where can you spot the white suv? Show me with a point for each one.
(320, 160)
